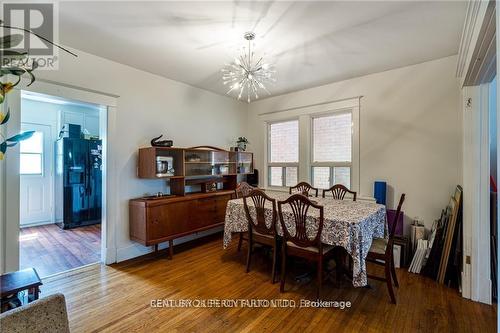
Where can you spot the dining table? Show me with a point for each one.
(346, 223)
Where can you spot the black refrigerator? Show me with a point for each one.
(78, 182)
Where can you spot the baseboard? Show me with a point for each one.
(466, 287)
(137, 250)
(35, 224)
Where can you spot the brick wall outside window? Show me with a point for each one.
(332, 138)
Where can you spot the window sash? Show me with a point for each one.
(328, 163)
(269, 143)
(332, 167)
(33, 173)
(283, 167)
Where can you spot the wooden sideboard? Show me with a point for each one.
(156, 220)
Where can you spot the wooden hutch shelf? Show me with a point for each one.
(158, 219)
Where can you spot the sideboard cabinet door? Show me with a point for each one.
(220, 208)
(168, 219)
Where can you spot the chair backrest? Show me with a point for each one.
(304, 188)
(339, 191)
(392, 230)
(258, 222)
(300, 205)
(243, 189)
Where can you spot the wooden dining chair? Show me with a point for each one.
(299, 244)
(304, 188)
(381, 253)
(339, 191)
(259, 231)
(242, 189)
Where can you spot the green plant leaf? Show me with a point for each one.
(21, 136)
(6, 118)
(10, 41)
(3, 147)
(18, 71)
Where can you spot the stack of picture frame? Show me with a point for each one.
(443, 257)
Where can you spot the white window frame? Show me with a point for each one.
(281, 165)
(305, 115)
(331, 165)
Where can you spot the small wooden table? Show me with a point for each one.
(14, 282)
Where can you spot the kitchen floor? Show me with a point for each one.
(50, 249)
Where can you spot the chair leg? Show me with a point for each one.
(320, 277)
(249, 254)
(283, 268)
(388, 280)
(393, 272)
(338, 265)
(240, 241)
(275, 258)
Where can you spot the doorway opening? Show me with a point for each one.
(61, 184)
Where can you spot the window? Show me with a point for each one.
(283, 159)
(332, 150)
(31, 159)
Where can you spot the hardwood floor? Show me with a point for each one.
(117, 298)
(50, 249)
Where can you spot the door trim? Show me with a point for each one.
(9, 241)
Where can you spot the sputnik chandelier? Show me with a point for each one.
(248, 73)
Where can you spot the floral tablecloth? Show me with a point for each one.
(352, 225)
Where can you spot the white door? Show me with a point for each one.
(36, 170)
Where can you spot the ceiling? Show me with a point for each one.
(311, 43)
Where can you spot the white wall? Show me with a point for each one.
(149, 105)
(410, 131)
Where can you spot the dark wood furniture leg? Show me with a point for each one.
(275, 259)
(240, 241)
(394, 276)
(283, 267)
(249, 253)
(170, 249)
(388, 280)
(320, 277)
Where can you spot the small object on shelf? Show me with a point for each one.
(223, 169)
(156, 142)
(164, 166)
(193, 158)
(242, 143)
(10, 302)
(209, 187)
